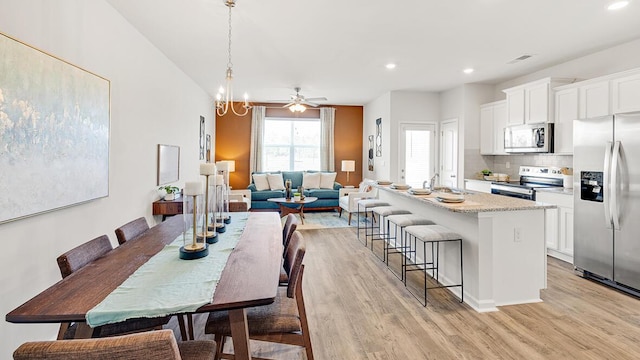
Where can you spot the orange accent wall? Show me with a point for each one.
(233, 141)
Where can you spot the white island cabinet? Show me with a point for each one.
(504, 253)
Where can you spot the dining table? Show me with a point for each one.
(249, 278)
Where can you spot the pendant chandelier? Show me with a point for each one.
(224, 98)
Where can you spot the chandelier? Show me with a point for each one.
(224, 98)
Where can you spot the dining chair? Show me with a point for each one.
(290, 226)
(131, 230)
(150, 345)
(284, 321)
(75, 259)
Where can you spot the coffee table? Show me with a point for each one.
(293, 207)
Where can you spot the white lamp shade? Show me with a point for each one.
(222, 165)
(348, 165)
(232, 165)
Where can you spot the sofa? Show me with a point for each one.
(327, 190)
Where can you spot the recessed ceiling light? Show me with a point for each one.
(467, 70)
(390, 66)
(616, 5)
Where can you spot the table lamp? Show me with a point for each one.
(348, 166)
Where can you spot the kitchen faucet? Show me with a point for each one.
(432, 182)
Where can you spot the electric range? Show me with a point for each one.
(531, 178)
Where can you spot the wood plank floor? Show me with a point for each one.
(359, 310)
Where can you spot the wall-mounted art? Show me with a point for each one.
(202, 144)
(54, 132)
(208, 148)
(379, 137)
(370, 159)
(168, 164)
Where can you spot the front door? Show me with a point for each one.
(449, 153)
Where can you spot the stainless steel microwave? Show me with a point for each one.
(536, 138)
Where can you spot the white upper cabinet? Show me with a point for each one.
(594, 100)
(515, 107)
(493, 120)
(566, 112)
(625, 93)
(532, 103)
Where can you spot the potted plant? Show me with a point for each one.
(170, 191)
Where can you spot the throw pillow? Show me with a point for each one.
(326, 180)
(275, 181)
(261, 182)
(311, 180)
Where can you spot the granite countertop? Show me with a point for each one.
(474, 202)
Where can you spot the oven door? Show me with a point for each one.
(513, 191)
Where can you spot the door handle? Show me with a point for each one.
(615, 159)
(453, 176)
(606, 184)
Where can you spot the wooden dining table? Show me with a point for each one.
(250, 278)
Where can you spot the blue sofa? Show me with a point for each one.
(327, 198)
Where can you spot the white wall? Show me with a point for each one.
(152, 102)
(378, 108)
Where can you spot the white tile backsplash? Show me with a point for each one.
(474, 162)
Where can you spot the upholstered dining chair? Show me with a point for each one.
(283, 321)
(290, 226)
(80, 256)
(150, 345)
(131, 230)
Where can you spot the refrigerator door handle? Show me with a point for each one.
(614, 185)
(605, 184)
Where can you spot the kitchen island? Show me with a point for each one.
(504, 250)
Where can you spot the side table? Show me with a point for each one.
(167, 207)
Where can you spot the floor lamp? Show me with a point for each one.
(348, 166)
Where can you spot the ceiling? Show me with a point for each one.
(338, 48)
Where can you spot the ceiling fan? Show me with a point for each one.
(298, 101)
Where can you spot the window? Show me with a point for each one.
(291, 144)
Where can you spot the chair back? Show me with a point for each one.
(290, 225)
(131, 230)
(148, 345)
(81, 255)
(293, 261)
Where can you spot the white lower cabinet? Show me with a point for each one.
(558, 224)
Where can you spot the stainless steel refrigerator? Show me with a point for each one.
(606, 160)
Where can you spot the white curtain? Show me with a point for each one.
(257, 136)
(327, 120)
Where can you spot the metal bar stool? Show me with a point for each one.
(400, 222)
(382, 230)
(433, 235)
(366, 205)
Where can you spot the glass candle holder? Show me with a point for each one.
(193, 247)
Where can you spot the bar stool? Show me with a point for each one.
(433, 235)
(383, 232)
(366, 205)
(401, 222)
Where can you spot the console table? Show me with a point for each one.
(167, 207)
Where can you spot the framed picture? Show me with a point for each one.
(168, 164)
(370, 157)
(54, 132)
(202, 138)
(208, 148)
(379, 137)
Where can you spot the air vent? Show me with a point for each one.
(519, 58)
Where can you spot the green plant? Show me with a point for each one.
(486, 172)
(169, 189)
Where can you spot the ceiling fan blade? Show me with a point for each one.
(317, 99)
(309, 103)
(289, 104)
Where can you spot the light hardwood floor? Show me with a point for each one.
(359, 310)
